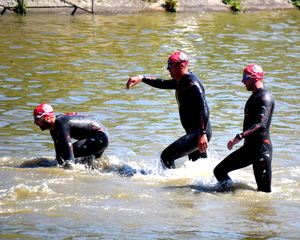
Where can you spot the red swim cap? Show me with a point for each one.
(253, 71)
(43, 110)
(178, 57)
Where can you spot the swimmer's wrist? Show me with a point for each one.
(239, 136)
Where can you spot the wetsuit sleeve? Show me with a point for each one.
(265, 105)
(160, 83)
(57, 148)
(63, 143)
(204, 115)
(203, 110)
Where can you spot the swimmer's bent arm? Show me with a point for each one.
(63, 146)
(266, 104)
(59, 157)
(204, 119)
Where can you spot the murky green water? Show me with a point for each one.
(82, 63)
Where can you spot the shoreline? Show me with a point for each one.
(103, 7)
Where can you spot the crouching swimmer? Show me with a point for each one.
(92, 138)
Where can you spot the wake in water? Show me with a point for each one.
(198, 175)
(39, 162)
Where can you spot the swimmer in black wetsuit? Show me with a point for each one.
(193, 110)
(257, 148)
(91, 135)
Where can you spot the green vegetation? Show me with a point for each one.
(226, 1)
(170, 5)
(296, 3)
(19, 9)
(235, 5)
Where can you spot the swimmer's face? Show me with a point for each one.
(42, 123)
(249, 83)
(176, 70)
(173, 69)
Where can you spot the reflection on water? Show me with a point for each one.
(82, 63)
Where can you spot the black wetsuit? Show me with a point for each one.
(257, 148)
(194, 116)
(91, 135)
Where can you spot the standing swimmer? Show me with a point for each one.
(257, 148)
(91, 135)
(193, 110)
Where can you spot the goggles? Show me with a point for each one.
(171, 65)
(246, 77)
(253, 75)
(36, 118)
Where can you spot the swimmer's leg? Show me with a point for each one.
(263, 172)
(194, 156)
(181, 147)
(238, 159)
(224, 186)
(86, 150)
(91, 146)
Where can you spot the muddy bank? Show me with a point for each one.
(134, 6)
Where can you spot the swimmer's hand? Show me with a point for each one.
(232, 142)
(202, 143)
(133, 81)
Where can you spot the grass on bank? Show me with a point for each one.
(19, 8)
(296, 3)
(234, 5)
